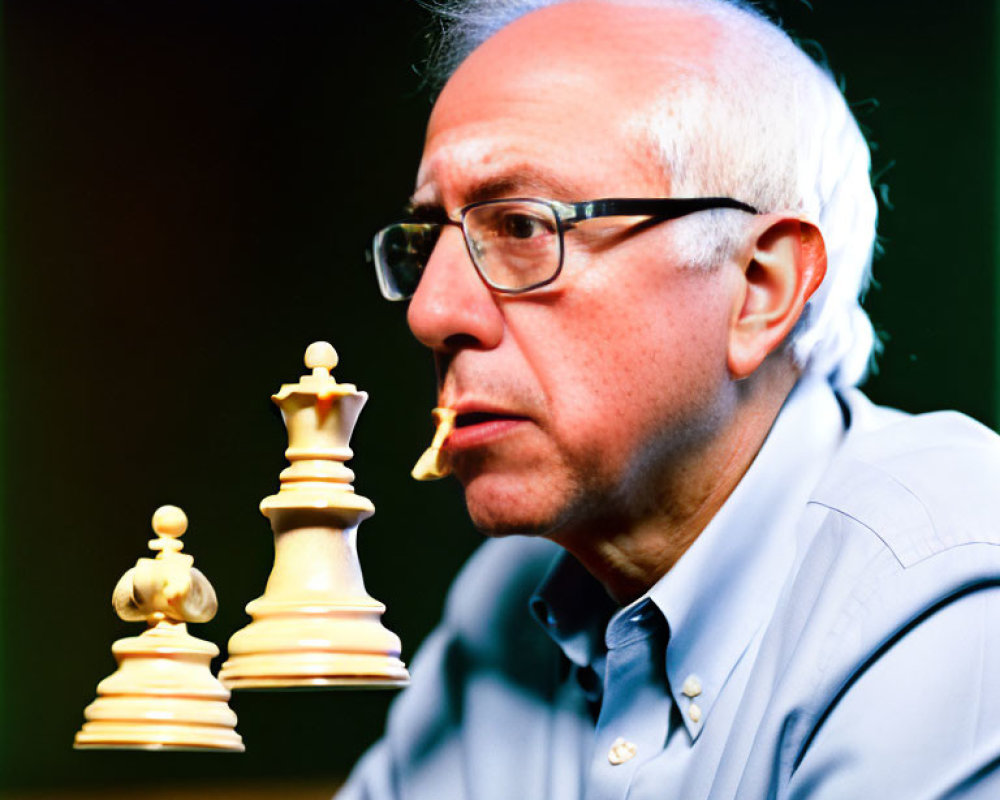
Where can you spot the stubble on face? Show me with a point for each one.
(542, 482)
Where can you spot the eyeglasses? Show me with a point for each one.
(516, 245)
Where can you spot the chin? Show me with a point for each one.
(502, 506)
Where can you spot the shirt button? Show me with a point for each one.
(692, 686)
(621, 751)
(694, 712)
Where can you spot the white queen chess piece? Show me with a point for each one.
(315, 625)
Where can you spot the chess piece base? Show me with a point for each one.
(336, 651)
(162, 697)
(309, 683)
(138, 736)
(313, 671)
(315, 626)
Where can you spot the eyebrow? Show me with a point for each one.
(518, 181)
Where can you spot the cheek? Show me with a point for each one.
(624, 360)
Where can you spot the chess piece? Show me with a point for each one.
(434, 464)
(315, 625)
(163, 695)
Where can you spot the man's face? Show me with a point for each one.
(591, 396)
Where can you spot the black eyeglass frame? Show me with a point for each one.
(658, 209)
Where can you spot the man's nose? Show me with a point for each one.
(452, 307)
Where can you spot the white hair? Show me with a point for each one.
(766, 125)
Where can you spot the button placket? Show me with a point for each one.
(635, 709)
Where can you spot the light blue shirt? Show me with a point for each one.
(833, 633)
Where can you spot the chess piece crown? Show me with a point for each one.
(163, 695)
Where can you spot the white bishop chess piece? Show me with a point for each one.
(163, 695)
(315, 625)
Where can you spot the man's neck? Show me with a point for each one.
(628, 554)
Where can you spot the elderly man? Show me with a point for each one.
(637, 240)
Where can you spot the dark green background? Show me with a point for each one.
(190, 185)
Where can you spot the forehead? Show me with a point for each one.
(553, 101)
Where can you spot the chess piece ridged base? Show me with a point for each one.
(323, 645)
(163, 696)
(314, 671)
(134, 736)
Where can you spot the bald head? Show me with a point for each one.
(636, 41)
(722, 103)
(577, 58)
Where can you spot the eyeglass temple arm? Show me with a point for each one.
(665, 208)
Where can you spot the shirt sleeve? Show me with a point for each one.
(922, 720)
(420, 744)
(484, 653)
(370, 779)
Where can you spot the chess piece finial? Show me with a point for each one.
(321, 356)
(169, 522)
(315, 625)
(163, 695)
(434, 463)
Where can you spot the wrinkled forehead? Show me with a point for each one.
(569, 75)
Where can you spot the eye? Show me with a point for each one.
(514, 223)
(521, 225)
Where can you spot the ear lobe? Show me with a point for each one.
(785, 267)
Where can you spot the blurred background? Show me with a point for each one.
(189, 186)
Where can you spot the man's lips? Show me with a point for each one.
(476, 427)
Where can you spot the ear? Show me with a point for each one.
(784, 266)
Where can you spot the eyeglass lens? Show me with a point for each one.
(402, 252)
(514, 245)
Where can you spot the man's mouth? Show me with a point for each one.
(475, 428)
(478, 418)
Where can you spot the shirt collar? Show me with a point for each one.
(721, 591)
(573, 608)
